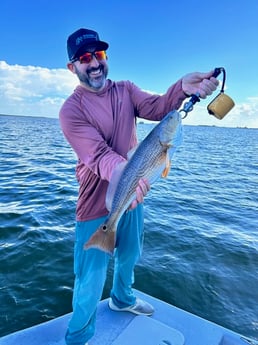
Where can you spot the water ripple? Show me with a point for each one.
(200, 250)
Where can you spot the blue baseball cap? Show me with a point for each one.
(81, 40)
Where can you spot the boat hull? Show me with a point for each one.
(168, 325)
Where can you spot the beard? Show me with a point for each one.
(91, 80)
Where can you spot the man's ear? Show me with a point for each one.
(70, 66)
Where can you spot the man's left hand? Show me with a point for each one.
(202, 83)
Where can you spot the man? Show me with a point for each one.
(99, 122)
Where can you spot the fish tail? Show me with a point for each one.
(103, 240)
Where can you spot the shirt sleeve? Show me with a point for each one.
(88, 143)
(153, 106)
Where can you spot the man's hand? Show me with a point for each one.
(202, 83)
(141, 190)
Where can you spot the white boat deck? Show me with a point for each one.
(167, 326)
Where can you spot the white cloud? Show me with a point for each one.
(38, 91)
(33, 91)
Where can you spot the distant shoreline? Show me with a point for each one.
(31, 116)
(139, 121)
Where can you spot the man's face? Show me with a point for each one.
(91, 69)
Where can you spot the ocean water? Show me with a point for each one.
(201, 225)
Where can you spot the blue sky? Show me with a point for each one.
(152, 43)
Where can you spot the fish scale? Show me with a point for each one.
(125, 192)
(149, 160)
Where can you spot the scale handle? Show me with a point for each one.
(216, 72)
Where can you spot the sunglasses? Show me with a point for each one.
(87, 57)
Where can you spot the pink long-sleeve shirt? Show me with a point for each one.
(101, 128)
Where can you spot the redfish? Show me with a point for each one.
(150, 160)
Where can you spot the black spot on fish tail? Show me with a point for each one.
(103, 240)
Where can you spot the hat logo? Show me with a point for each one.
(80, 39)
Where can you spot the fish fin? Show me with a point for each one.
(113, 184)
(102, 240)
(166, 170)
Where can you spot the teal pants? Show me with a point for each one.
(90, 268)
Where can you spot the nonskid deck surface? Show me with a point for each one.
(168, 326)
